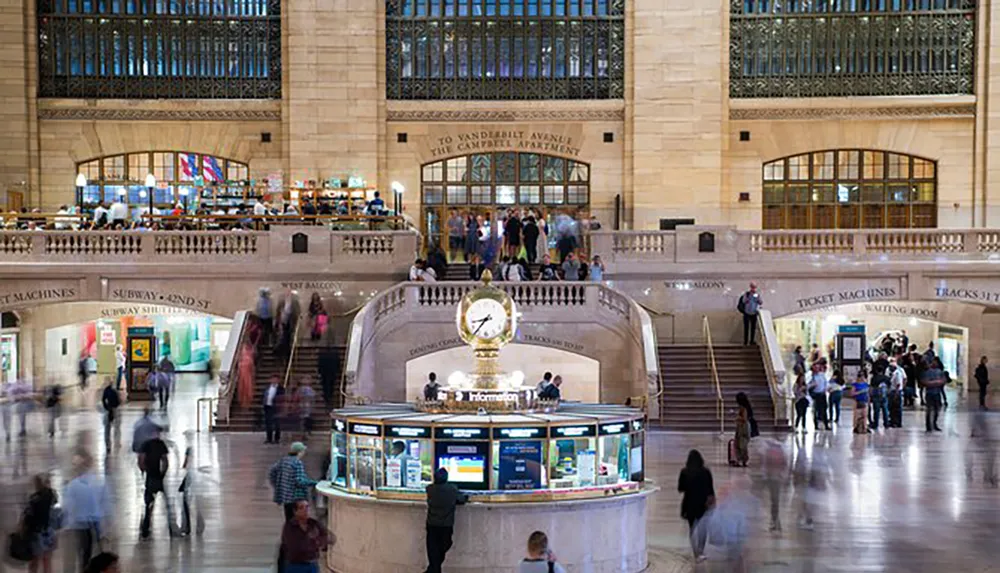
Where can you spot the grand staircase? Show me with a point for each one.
(688, 402)
(305, 362)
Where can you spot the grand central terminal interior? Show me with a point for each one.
(469, 286)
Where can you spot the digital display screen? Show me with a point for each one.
(467, 463)
(520, 465)
(573, 431)
(464, 469)
(408, 431)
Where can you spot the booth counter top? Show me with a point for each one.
(488, 499)
(596, 535)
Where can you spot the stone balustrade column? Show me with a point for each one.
(970, 242)
(860, 246)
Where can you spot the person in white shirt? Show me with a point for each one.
(101, 215)
(258, 208)
(817, 388)
(119, 365)
(118, 212)
(513, 272)
(63, 223)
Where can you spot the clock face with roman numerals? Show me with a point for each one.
(485, 319)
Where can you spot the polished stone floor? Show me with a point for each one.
(897, 500)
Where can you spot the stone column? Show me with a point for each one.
(17, 99)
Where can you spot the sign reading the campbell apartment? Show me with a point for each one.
(504, 140)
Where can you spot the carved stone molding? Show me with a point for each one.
(474, 115)
(159, 114)
(813, 113)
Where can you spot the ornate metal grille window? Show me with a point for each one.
(159, 48)
(505, 49)
(817, 48)
(850, 189)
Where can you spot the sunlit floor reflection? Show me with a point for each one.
(897, 500)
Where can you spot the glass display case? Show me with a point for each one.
(392, 451)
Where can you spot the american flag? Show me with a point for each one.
(189, 165)
(211, 169)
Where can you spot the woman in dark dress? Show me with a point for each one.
(743, 401)
(695, 482)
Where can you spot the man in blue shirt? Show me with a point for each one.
(879, 391)
(749, 305)
(817, 389)
(859, 391)
(933, 381)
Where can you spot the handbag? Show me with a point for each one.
(19, 547)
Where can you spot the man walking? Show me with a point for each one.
(167, 371)
(933, 381)
(289, 479)
(265, 312)
(154, 462)
(85, 506)
(273, 396)
(111, 401)
(983, 379)
(817, 389)
(749, 305)
(442, 498)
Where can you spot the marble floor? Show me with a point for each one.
(897, 500)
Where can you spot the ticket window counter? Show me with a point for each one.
(338, 454)
(365, 466)
(573, 456)
(613, 448)
(408, 457)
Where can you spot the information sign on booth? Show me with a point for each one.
(140, 356)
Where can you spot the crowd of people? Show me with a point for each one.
(881, 388)
(121, 216)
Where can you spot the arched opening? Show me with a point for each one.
(466, 199)
(582, 374)
(850, 189)
(182, 177)
(958, 331)
(52, 339)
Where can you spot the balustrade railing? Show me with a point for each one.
(206, 243)
(751, 246)
(394, 248)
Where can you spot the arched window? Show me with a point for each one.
(505, 49)
(850, 189)
(159, 48)
(816, 48)
(194, 178)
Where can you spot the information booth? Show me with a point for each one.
(391, 451)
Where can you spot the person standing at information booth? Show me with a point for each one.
(442, 499)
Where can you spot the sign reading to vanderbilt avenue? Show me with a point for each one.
(547, 140)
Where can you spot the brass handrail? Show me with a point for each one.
(291, 353)
(707, 333)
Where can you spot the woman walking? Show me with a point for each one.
(742, 438)
(318, 318)
(695, 482)
(744, 402)
(801, 401)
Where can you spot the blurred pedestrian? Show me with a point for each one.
(775, 469)
(859, 391)
(305, 399)
(265, 314)
(40, 521)
(53, 404)
(154, 461)
(105, 562)
(801, 393)
(836, 395)
(695, 482)
(85, 508)
(983, 379)
(111, 401)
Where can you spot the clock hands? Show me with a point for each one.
(481, 322)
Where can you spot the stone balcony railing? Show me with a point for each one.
(630, 251)
(312, 247)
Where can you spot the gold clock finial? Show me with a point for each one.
(487, 277)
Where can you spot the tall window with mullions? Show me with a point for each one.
(159, 49)
(505, 49)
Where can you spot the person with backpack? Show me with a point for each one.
(879, 393)
(53, 403)
(442, 499)
(983, 379)
(540, 558)
(83, 369)
(749, 305)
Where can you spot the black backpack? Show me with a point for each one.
(741, 304)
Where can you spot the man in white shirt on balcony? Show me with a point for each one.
(101, 216)
(118, 213)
